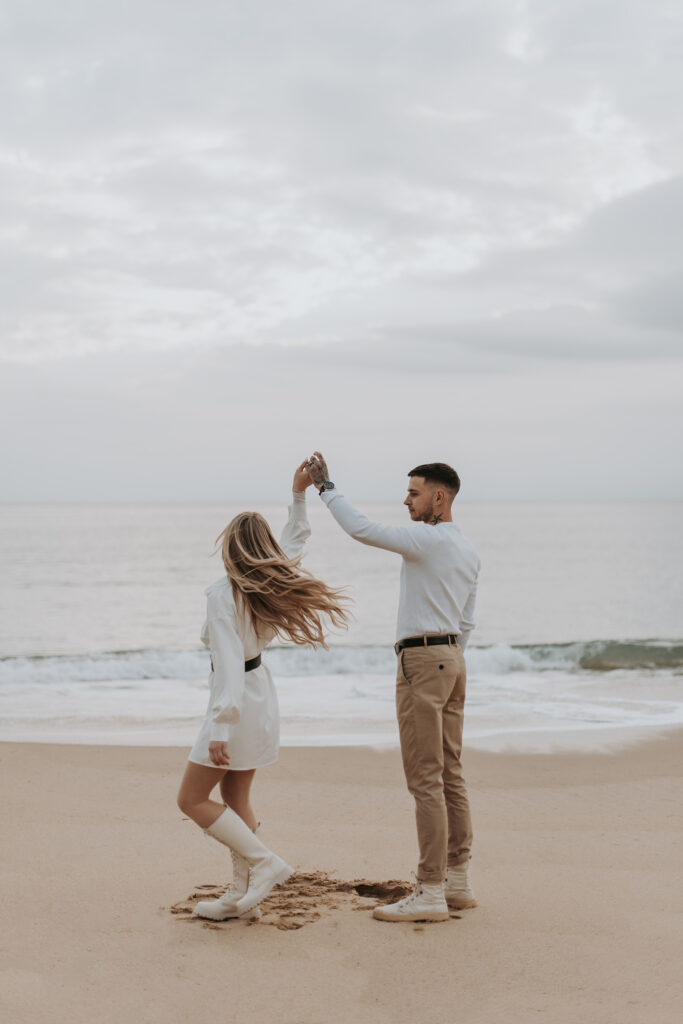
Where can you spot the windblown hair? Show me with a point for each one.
(277, 594)
(438, 473)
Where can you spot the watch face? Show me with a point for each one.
(328, 485)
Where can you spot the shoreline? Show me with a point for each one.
(562, 740)
(655, 738)
(346, 697)
(576, 868)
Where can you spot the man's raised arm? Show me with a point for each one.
(401, 539)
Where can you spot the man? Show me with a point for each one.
(435, 617)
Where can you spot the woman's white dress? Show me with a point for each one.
(243, 707)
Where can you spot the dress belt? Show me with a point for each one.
(426, 641)
(248, 665)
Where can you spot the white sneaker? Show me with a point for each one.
(426, 903)
(457, 888)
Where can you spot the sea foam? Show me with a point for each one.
(498, 660)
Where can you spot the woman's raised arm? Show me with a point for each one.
(297, 529)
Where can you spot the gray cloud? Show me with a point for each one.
(358, 191)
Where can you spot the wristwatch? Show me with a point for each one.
(327, 486)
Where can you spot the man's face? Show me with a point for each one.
(419, 499)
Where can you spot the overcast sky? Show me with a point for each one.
(232, 232)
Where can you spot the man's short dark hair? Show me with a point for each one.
(438, 473)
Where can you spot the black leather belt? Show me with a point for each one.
(426, 641)
(248, 665)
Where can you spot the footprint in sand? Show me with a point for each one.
(303, 900)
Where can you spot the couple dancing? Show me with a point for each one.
(265, 593)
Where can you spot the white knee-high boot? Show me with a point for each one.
(266, 869)
(226, 905)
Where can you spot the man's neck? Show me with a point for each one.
(439, 517)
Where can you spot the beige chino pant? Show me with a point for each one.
(430, 704)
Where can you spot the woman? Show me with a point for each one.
(263, 594)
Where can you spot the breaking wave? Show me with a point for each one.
(498, 660)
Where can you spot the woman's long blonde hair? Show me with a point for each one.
(274, 590)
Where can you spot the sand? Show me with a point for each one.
(576, 865)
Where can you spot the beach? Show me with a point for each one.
(576, 866)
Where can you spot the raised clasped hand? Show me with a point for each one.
(317, 467)
(302, 478)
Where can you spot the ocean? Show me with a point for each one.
(579, 638)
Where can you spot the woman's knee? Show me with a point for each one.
(185, 802)
(196, 786)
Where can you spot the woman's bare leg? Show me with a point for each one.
(195, 790)
(235, 790)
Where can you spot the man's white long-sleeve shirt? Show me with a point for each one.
(438, 575)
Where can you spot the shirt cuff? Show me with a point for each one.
(327, 496)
